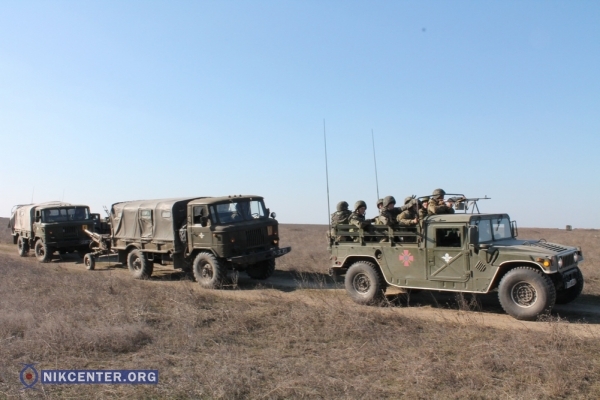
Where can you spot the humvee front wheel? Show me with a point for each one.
(22, 246)
(89, 261)
(565, 296)
(42, 252)
(139, 266)
(364, 283)
(525, 293)
(261, 270)
(208, 271)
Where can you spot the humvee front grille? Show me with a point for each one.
(568, 260)
(255, 237)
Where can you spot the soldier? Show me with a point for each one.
(357, 218)
(408, 217)
(423, 209)
(437, 205)
(340, 217)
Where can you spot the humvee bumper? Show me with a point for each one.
(258, 257)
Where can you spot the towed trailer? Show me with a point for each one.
(207, 235)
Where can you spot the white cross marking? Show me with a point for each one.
(447, 258)
(201, 235)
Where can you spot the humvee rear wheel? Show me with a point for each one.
(565, 296)
(139, 266)
(42, 252)
(209, 273)
(22, 246)
(261, 270)
(525, 293)
(364, 283)
(89, 261)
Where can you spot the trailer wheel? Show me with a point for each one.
(43, 252)
(565, 296)
(22, 246)
(525, 293)
(261, 270)
(208, 271)
(89, 261)
(364, 283)
(138, 265)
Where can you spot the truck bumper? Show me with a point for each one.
(69, 243)
(258, 257)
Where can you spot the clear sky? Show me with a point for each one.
(107, 101)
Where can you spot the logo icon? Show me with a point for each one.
(447, 257)
(406, 258)
(29, 376)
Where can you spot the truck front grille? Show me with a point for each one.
(568, 260)
(255, 237)
(71, 231)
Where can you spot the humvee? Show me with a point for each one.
(461, 252)
(207, 235)
(50, 227)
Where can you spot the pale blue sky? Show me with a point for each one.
(122, 100)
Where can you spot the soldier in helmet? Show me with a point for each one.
(339, 217)
(437, 205)
(389, 213)
(357, 218)
(408, 217)
(423, 208)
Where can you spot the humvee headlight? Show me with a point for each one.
(575, 257)
(560, 262)
(232, 240)
(546, 262)
(275, 241)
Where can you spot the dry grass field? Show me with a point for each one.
(262, 342)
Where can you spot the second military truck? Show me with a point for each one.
(209, 235)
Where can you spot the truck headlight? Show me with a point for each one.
(575, 257)
(546, 262)
(560, 262)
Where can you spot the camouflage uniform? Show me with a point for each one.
(340, 217)
(422, 210)
(360, 221)
(437, 205)
(389, 217)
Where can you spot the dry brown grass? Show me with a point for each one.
(267, 343)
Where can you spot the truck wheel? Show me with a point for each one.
(42, 252)
(364, 283)
(261, 270)
(22, 246)
(525, 293)
(565, 296)
(138, 264)
(209, 273)
(89, 261)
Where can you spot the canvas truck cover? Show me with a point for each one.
(24, 216)
(158, 220)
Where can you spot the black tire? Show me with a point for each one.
(22, 246)
(261, 270)
(89, 261)
(139, 266)
(365, 284)
(525, 293)
(43, 252)
(565, 296)
(208, 271)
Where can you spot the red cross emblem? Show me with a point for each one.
(406, 258)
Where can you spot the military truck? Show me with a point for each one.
(466, 252)
(50, 227)
(207, 235)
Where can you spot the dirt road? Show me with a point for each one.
(580, 318)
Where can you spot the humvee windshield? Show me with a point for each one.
(238, 211)
(494, 229)
(65, 214)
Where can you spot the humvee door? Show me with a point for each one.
(448, 257)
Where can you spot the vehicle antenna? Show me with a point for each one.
(327, 175)
(375, 161)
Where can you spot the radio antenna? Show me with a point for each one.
(375, 161)
(327, 176)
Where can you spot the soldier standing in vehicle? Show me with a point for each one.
(408, 217)
(340, 217)
(423, 208)
(357, 218)
(388, 214)
(437, 205)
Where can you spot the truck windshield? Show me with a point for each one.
(247, 210)
(65, 214)
(494, 229)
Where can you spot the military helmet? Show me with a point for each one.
(359, 204)
(379, 203)
(425, 199)
(342, 206)
(437, 193)
(408, 199)
(387, 200)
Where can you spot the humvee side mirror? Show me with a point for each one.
(273, 215)
(473, 236)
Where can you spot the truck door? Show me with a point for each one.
(448, 256)
(201, 235)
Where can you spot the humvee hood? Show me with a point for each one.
(532, 246)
